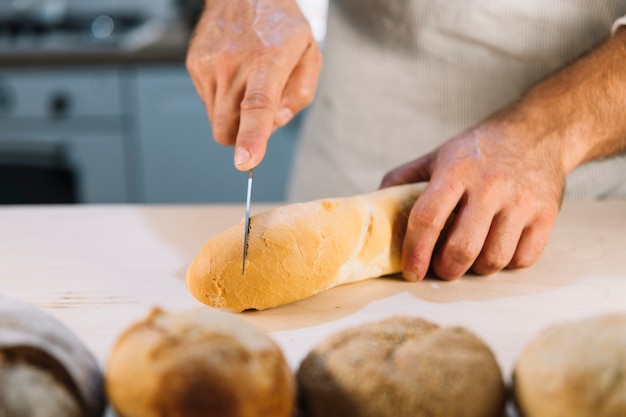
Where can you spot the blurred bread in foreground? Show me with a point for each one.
(401, 366)
(45, 368)
(574, 369)
(198, 363)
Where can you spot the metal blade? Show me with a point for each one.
(246, 231)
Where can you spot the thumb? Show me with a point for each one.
(256, 123)
(415, 171)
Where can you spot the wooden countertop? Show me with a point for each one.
(99, 268)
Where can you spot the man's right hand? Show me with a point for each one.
(255, 64)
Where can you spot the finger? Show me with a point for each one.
(414, 171)
(199, 70)
(301, 86)
(230, 87)
(257, 112)
(500, 244)
(531, 244)
(464, 241)
(195, 65)
(208, 98)
(426, 221)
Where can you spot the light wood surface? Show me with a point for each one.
(100, 268)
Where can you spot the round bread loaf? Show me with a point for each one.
(574, 369)
(198, 363)
(401, 367)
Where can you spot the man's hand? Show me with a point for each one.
(255, 64)
(505, 177)
(506, 192)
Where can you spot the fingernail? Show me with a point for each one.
(284, 116)
(242, 156)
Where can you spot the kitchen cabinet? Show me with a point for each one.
(178, 160)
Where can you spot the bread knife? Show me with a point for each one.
(246, 231)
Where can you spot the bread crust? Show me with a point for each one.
(198, 363)
(298, 250)
(44, 366)
(574, 369)
(401, 366)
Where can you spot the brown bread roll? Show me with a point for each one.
(401, 367)
(45, 369)
(298, 250)
(574, 369)
(198, 363)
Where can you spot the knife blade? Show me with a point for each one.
(246, 231)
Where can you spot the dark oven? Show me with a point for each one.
(65, 129)
(62, 137)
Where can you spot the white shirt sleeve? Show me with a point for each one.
(619, 22)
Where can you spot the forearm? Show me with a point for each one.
(580, 112)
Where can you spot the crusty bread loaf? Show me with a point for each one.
(574, 369)
(45, 369)
(202, 362)
(298, 250)
(401, 366)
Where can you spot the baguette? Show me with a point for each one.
(298, 250)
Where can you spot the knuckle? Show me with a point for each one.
(490, 263)
(225, 60)
(257, 100)
(198, 62)
(303, 96)
(550, 212)
(461, 253)
(525, 257)
(192, 57)
(523, 260)
(248, 136)
(420, 220)
(194, 70)
(190, 63)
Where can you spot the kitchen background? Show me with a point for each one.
(96, 106)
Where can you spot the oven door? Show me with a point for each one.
(64, 132)
(36, 173)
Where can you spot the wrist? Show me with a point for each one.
(580, 111)
(554, 123)
(582, 106)
(533, 134)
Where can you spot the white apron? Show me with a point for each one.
(400, 77)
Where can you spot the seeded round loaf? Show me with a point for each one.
(198, 363)
(400, 367)
(574, 369)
